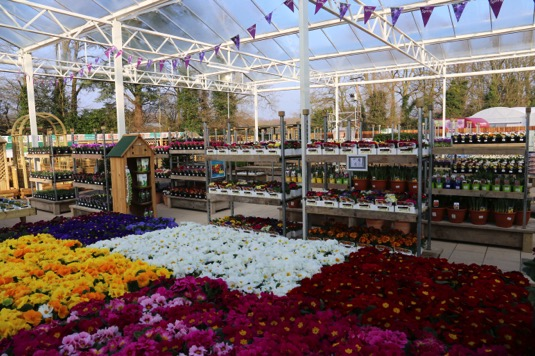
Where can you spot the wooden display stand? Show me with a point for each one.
(128, 153)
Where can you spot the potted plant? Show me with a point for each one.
(361, 180)
(412, 180)
(398, 180)
(504, 212)
(438, 210)
(379, 176)
(519, 208)
(457, 212)
(478, 210)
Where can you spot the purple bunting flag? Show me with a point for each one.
(290, 4)
(65, 80)
(96, 60)
(186, 60)
(129, 59)
(236, 40)
(71, 76)
(496, 6)
(201, 56)
(395, 12)
(149, 63)
(426, 13)
(139, 59)
(81, 72)
(343, 9)
(252, 31)
(268, 17)
(119, 53)
(216, 49)
(458, 9)
(368, 11)
(107, 53)
(319, 5)
(175, 63)
(162, 63)
(89, 66)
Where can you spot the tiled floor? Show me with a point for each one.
(504, 258)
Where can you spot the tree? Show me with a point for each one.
(376, 113)
(456, 98)
(224, 105)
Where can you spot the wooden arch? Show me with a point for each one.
(47, 124)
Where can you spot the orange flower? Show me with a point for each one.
(32, 317)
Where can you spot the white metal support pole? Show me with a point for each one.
(336, 133)
(444, 82)
(255, 98)
(30, 89)
(304, 67)
(117, 40)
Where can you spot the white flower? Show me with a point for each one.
(251, 262)
(46, 311)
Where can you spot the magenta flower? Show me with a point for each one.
(197, 350)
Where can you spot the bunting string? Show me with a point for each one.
(112, 53)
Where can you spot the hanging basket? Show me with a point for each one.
(379, 184)
(456, 216)
(478, 217)
(360, 184)
(437, 214)
(504, 220)
(518, 217)
(398, 186)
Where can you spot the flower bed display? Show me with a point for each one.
(248, 261)
(43, 277)
(91, 178)
(187, 192)
(89, 228)
(96, 201)
(291, 148)
(161, 150)
(259, 224)
(54, 194)
(192, 170)
(57, 175)
(13, 204)
(475, 306)
(189, 145)
(492, 137)
(57, 150)
(162, 173)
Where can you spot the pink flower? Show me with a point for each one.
(197, 350)
(149, 319)
(222, 348)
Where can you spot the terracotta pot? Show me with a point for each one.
(403, 226)
(478, 217)
(413, 187)
(504, 220)
(375, 223)
(456, 216)
(294, 204)
(398, 186)
(379, 184)
(518, 217)
(437, 214)
(360, 184)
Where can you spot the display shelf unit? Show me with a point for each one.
(132, 173)
(520, 237)
(58, 205)
(263, 159)
(78, 209)
(193, 157)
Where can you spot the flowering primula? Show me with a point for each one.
(42, 278)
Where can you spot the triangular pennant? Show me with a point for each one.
(496, 6)
(395, 12)
(81, 72)
(319, 5)
(458, 9)
(65, 80)
(201, 56)
(162, 63)
(290, 4)
(252, 31)
(129, 59)
(236, 40)
(368, 11)
(139, 59)
(119, 53)
(89, 66)
(71, 76)
(186, 60)
(268, 17)
(175, 63)
(96, 60)
(426, 13)
(149, 63)
(343, 9)
(107, 53)
(216, 49)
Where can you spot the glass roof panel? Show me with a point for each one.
(275, 51)
(519, 41)
(439, 24)
(457, 49)
(360, 61)
(513, 13)
(319, 43)
(437, 50)
(487, 45)
(343, 37)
